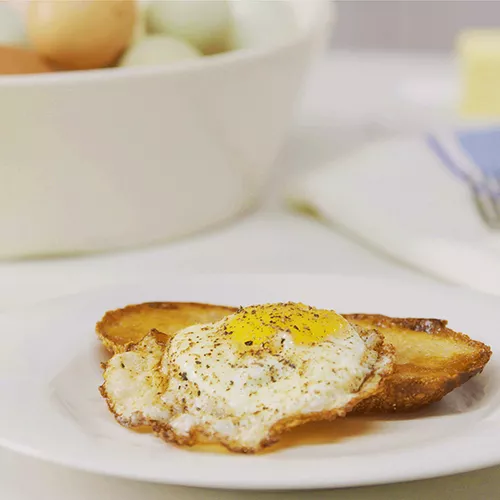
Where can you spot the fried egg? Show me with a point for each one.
(246, 379)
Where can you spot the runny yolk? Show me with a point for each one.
(255, 325)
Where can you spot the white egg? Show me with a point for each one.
(243, 380)
(140, 29)
(205, 24)
(155, 50)
(261, 24)
(12, 30)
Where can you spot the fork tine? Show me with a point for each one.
(496, 194)
(487, 208)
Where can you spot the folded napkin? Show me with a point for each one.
(413, 199)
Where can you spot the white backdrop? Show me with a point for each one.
(410, 24)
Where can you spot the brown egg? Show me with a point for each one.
(17, 61)
(81, 34)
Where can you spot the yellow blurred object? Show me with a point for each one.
(479, 52)
(81, 34)
(19, 61)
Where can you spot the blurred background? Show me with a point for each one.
(410, 25)
(211, 124)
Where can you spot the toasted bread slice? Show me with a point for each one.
(123, 327)
(431, 360)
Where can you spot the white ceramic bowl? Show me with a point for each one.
(107, 159)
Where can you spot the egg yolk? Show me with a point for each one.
(307, 325)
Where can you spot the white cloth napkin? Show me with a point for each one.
(398, 196)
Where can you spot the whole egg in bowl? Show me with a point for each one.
(81, 34)
(114, 158)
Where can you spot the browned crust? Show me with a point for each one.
(372, 384)
(411, 387)
(189, 312)
(425, 325)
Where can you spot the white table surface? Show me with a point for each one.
(345, 98)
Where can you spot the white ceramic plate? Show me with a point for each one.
(51, 409)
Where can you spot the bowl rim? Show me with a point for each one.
(321, 16)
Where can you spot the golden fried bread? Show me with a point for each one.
(123, 327)
(431, 360)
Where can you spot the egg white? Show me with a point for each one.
(240, 395)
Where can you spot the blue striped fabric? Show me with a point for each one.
(472, 155)
(483, 148)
